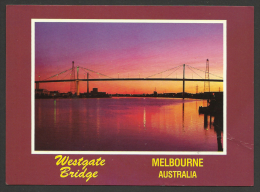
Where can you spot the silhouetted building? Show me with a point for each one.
(41, 92)
(214, 95)
(95, 93)
(95, 90)
(54, 93)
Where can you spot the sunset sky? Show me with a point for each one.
(127, 50)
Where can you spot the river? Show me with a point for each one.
(123, 124)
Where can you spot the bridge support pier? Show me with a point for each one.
(87, 84)
(77, 88)
(77, 81)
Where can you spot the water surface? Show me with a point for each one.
(123, 124)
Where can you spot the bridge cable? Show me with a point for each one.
(163, 71)
(205, 71)
(66, 75)
(172, 72)
(95, 72)
(90, 74)
(195, 72)
(57, 74)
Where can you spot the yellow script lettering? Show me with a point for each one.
(64, 171)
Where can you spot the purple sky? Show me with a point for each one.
(127, 49)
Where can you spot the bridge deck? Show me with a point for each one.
(131, 79)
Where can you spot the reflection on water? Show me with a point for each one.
(54, 111)
(183, 117)
(125, 124)
(144, 117)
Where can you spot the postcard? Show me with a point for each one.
(126, 95)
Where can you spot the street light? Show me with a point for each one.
(39, 77)
(118, 75)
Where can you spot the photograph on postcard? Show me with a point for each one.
(128, 86)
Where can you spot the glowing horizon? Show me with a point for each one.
(129, 50)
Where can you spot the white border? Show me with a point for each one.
(224, 22)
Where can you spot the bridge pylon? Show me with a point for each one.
(73, 87)
(183, 82)
(207, 83)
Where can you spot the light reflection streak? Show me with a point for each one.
(54, 111)
(40, 112)
(98, 118)
(144, 118)
(165, 120)
(183, 130)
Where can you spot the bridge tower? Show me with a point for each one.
(183, 82)
(73, 86)
(207, 83)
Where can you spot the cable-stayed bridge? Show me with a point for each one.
(72, 75)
